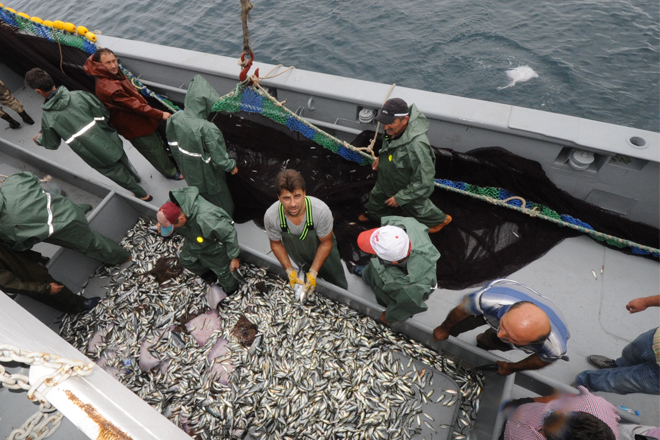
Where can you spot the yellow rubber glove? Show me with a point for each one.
(293, 277)
(311, 281)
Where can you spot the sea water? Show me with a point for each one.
(596, 59)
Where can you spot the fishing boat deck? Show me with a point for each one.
(594, 306)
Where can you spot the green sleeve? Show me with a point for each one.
(407, 300)
(228, 235)
(214, 144)
(48, 138)
(422, 173)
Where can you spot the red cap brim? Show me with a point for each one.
(364, 241)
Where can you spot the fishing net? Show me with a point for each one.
(483, 242)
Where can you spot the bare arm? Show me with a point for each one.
(639, 304)
(532, 362)
(441, 333)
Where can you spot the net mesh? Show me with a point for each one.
(483, 242)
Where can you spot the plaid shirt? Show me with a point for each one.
(527, 420)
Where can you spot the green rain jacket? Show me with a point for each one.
(82, 121)
(197, 144)
(209, 232)
(404, 293)
(29, 215)
(406, 168)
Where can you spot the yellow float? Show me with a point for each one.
(24, 15)
(70, 27)
(91, 36)
(58, 24)
(11, 10)
(37, 20)
(82, 30)
(48, 23)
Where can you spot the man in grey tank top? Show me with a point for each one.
(299, 228)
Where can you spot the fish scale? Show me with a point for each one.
(321, 371)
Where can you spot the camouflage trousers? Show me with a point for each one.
(6, 98)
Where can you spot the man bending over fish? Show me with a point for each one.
(211, 241)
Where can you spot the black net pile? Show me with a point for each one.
(482, 243)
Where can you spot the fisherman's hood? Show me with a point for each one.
(95, 68)
(200, 98)
(417, 126)
(59, 101)
(186, 199)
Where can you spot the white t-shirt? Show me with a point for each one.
(321, 216)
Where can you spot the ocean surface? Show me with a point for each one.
(597, 59)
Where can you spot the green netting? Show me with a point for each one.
(228, 103)
(273, 112)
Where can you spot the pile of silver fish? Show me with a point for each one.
(318, 370)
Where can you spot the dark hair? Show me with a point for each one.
(97, 55)
(541, 338)
(39, 79)
(576, 425)
(289, 180)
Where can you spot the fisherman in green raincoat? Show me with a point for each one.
(403, 275)
(199, 147)
(29, 215)
(406, 168)
(299, 228)
(211, 241)
(82, 121)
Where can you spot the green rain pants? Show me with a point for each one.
(215, 259)
(80, 237)
(304, 251)
(401, 304)
(424, 211)
(221, 199)
(118, 173)
(154, 150)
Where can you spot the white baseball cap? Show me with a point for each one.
(390, 243)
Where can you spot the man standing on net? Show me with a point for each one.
(199, 147)
(406, 168)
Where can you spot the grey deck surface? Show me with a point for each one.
(594, 308)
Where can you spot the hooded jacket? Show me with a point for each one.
(29, 215)
(208, 229)
(406, 168)
(197, 144)
(130, 113)
(405, 290)
(81, 120)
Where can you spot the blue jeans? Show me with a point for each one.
(636, 370)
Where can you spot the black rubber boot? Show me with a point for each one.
(12, 122)
(26, 118)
